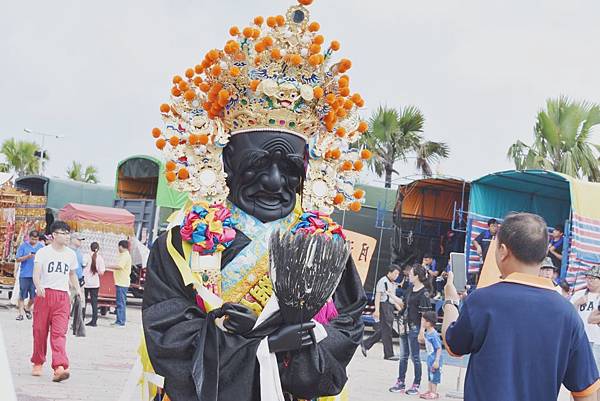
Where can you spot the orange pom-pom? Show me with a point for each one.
(345, 91)
(174, 140)
(318, 92)
(314, 60)
(272, 22)
(224, 94)
(314, 26)
(240, 56)
(164, 108)
(204, 87)
(330, 99)
(335, 45)
(363, 127)
(183, 86)
(359, 194)
(260, 47)
(198, 69)
(177, 79)
(347, 165)
(339, 198)
(365, 154)
(234, 31)
(348, 105)
(356, 98)
(189, 72)
(259, 20)
(171, 176)
(336, 153)
(318, 40)
(193, 139)
(254, 84)
(341, 112)
(276, 54)
(341, 132)
(183, 174)
(305, 2)
(255, 33)
(345, 65)
(197, 80)
(268, 41)
(358, 165)
(156, 132)
(296, 59)
(234, 71)
(339, 102)
(280, 20)
(314, 48)
(344, 81)
(213, 55)
(355, 206)
(257, 61)
(160, 143)
(216, 70)
(175, 91)
(170, 165)
(203, 139)
(248, 32)
(361, 103)
(189, 95)
(329, 126)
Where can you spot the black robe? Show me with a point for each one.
(175, 331)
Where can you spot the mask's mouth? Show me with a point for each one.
(268, 200)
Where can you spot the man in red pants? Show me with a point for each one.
(54, 270)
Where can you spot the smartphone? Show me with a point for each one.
(458, 265)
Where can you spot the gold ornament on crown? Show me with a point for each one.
(276, 74)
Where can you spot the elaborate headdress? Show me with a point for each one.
(276, 74)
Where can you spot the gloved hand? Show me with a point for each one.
(292, 337)
(239, 319)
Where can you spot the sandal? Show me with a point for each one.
(19, 317)
(430, 396)
(28, 314)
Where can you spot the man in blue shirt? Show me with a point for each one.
(25, 255)
(76, 239)
(524, 338)
(483, 240)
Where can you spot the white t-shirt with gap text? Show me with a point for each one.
(593, 301)
(55, 266)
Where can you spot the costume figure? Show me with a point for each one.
(256, 124)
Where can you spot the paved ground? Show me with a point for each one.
(101, 363)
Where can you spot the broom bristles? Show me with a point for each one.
(305, 271)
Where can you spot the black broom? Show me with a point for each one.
(305, 271)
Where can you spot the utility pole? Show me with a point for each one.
(43, 135)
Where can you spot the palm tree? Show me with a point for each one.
(21, 156)
(77, 173)
(562, 140)
(397, 135)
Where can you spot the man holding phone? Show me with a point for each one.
(25, 255)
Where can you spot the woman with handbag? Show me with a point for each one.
(94, 268)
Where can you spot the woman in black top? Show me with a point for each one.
(416, 301)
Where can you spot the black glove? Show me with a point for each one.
(292, 338)
(239, 319)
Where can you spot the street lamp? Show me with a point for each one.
(43, 135)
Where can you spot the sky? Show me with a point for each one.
(95, 72)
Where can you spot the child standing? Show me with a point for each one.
(433, 343)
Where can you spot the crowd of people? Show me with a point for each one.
(54, 276)
(409, 295)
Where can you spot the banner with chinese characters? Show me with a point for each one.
(363, 247)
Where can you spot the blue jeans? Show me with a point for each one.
(409, 344)
(121, 304)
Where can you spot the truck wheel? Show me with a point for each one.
(103, 310)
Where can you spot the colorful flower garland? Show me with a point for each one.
(209, 228)
(314, 222)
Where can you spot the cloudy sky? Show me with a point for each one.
(95, 72)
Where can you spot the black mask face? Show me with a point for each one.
(265, 171)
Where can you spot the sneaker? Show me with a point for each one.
(392, 358)
(414, 390)
(363, 349)
(36, 370)
(91, 324)
(398, 387)
(19, 317)
(28, 314)
(60, 374)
